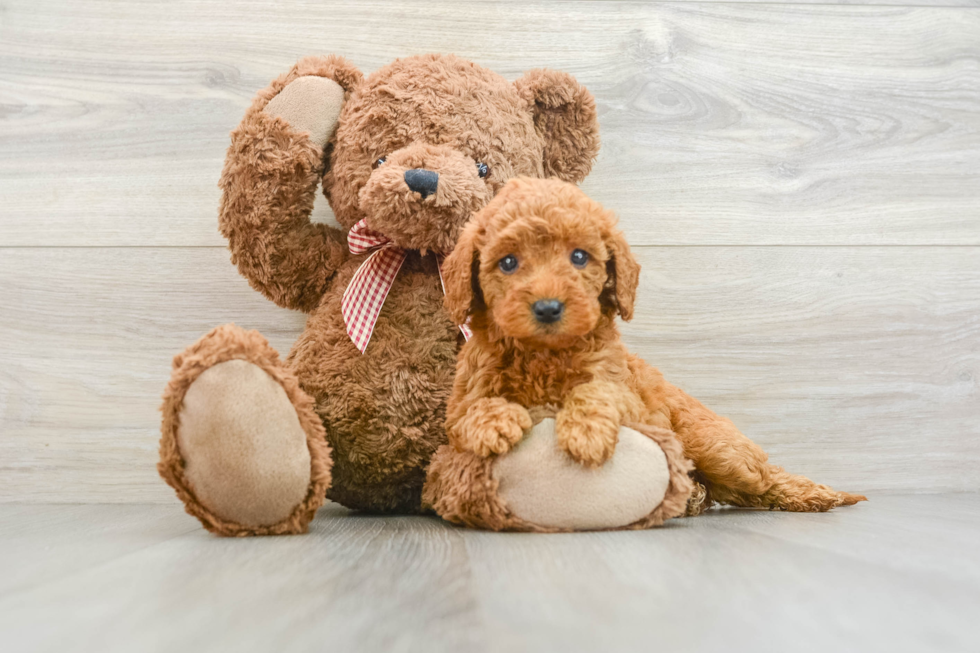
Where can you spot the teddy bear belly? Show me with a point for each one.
(383, 410)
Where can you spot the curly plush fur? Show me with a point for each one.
(222, 344)
(383, 412)
(579, 361)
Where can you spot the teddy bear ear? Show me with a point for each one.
(565, 118)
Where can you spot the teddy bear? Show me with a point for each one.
(253, 444)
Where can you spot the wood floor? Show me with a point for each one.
(899, 573)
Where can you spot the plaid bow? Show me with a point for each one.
(368, 288)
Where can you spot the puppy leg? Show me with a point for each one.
(491, 425)
(588, 424)
(588, 432)
(737, 469)
(788, 492)
(721, 453)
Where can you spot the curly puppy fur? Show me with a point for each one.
(384, 411)
(579, 361)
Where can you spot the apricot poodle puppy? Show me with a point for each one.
(541, 273)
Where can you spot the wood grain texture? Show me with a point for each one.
(721, 123)
(805, 179)
(898, 574)
(857, 366)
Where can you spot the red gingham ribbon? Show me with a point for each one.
(368, 288)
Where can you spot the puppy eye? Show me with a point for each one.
(483, 170)
(580, 258)
(380, 162)
(508, 264)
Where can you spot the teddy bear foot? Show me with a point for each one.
(241, 443)
(538, 487)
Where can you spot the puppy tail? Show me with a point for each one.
(788, 492)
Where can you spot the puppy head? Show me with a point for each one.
(541, 262)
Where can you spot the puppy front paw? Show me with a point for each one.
(491, 426)
(588, 432)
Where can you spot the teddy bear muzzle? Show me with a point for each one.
(421, 196)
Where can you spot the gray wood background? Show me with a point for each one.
(802, 183)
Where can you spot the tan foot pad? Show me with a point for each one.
(246, 454)
(541, 484)
(538, 487)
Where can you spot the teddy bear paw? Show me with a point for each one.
(309, 104)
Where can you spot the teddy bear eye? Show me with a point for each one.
(483, 170)
(508, 264)
(380, 162)
(580, 258)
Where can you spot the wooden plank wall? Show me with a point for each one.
(801, 183)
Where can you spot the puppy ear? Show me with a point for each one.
(623, 275)
(565, 118)
(460, 273)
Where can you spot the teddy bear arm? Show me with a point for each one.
(268, 184)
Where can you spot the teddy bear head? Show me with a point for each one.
(426, 141)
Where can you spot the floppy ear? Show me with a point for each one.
(461, 275)
(565, 118)
(623, 275)
(310, 96)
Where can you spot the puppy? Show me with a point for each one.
(541, 273)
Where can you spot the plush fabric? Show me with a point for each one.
(243, 443)
(539, 488)
(541, 484)
(245, 449)
(579, 362)
(309, 104)
(383, 412)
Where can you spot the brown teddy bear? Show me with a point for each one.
(253, 444)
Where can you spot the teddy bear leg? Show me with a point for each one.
(537, 486)
(240, 441)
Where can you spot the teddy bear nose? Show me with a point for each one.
(547, 311)
(422, 181)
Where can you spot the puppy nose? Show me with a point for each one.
(422, 181)
(547, 311)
